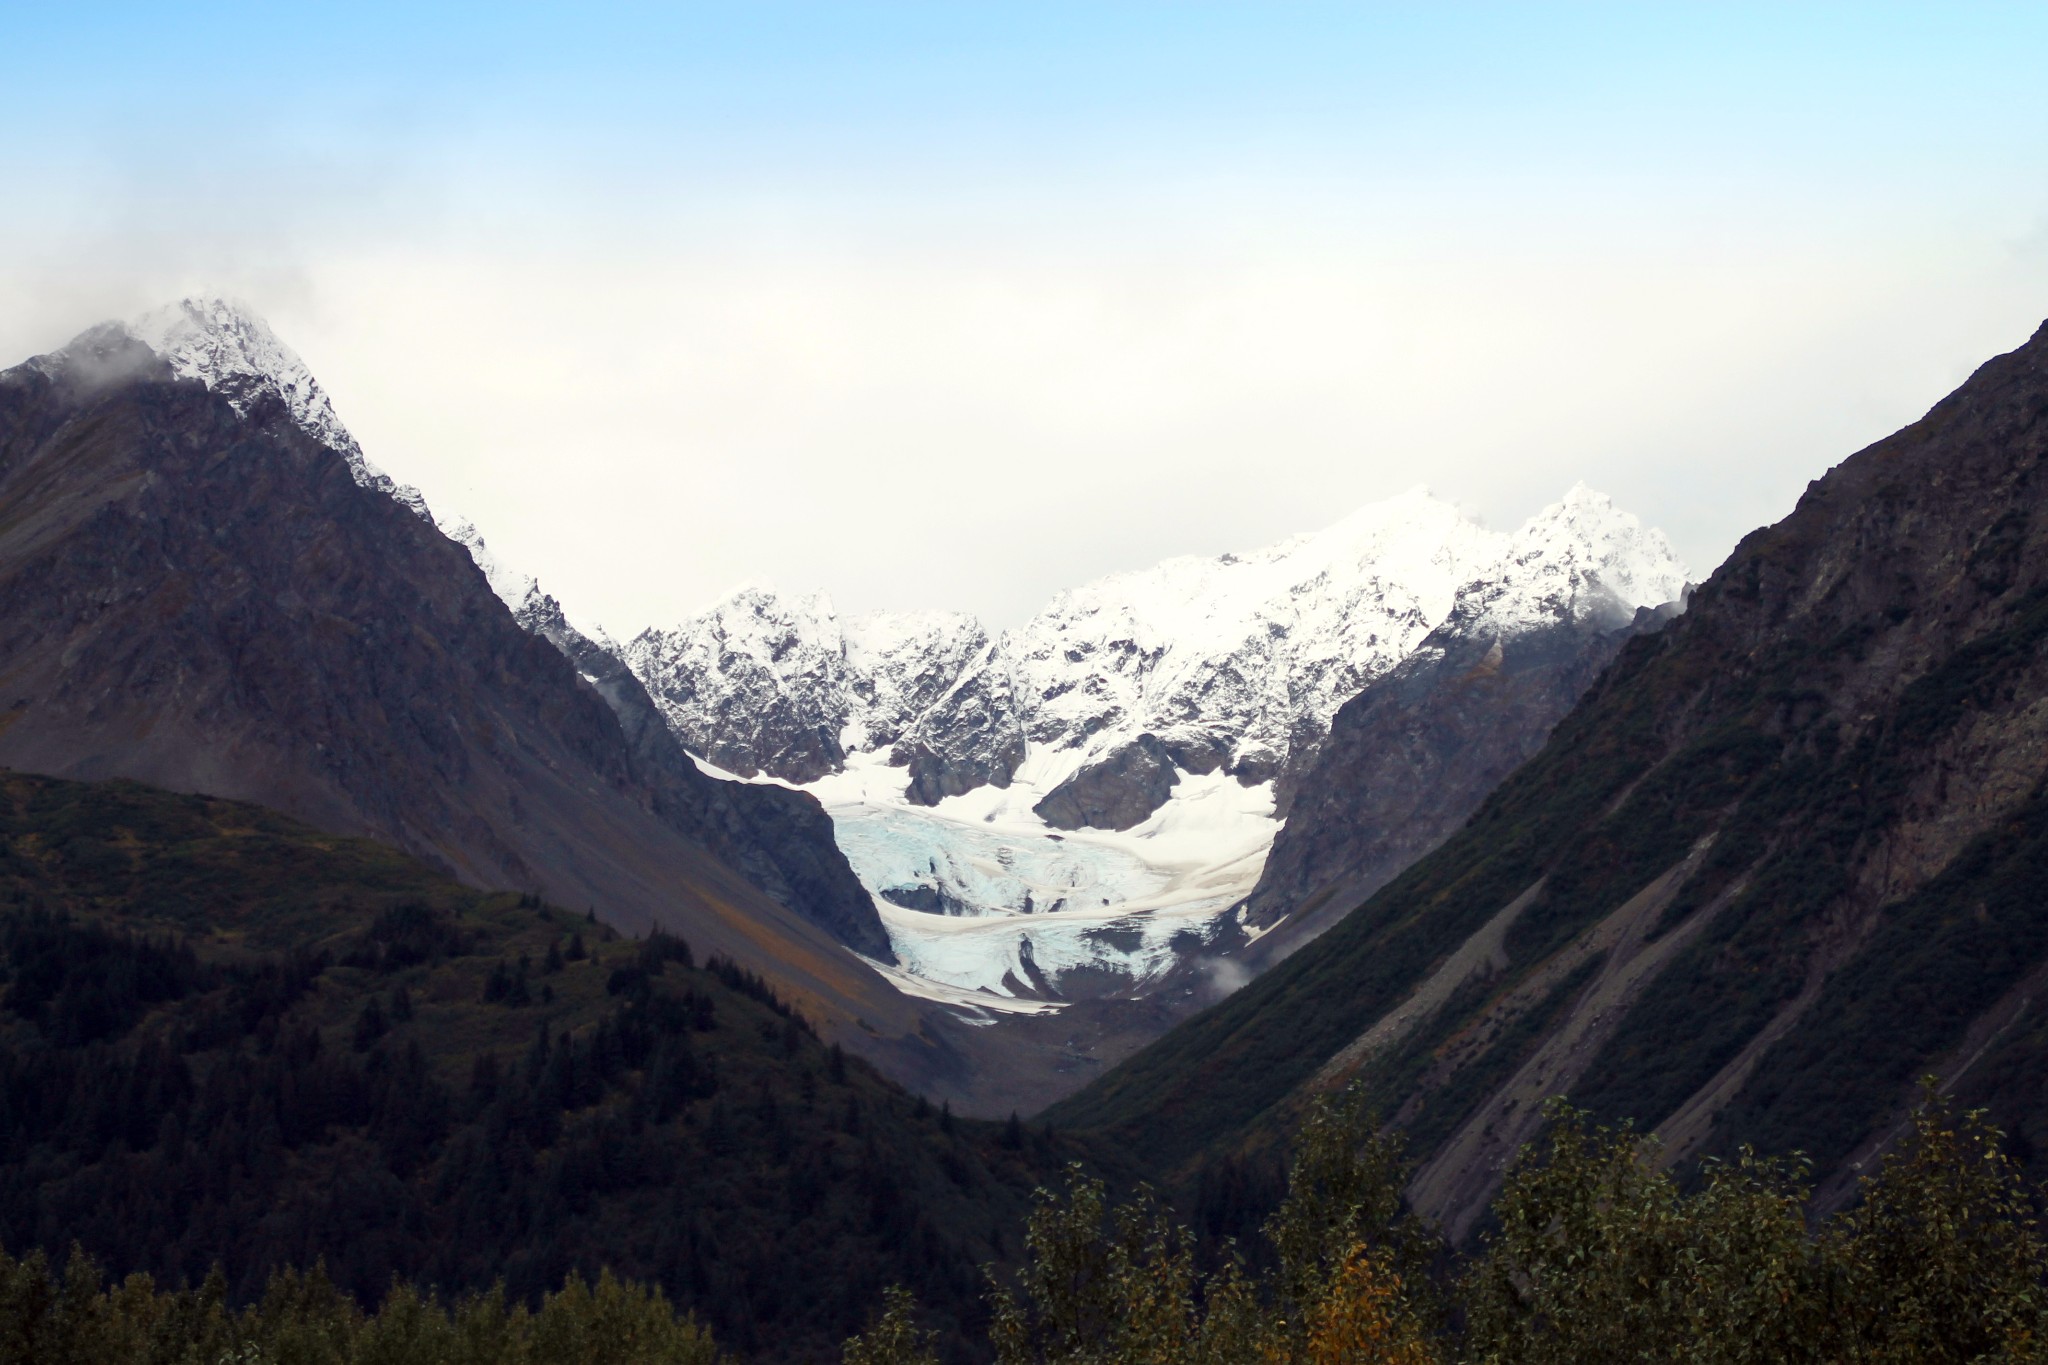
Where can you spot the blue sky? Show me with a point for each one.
(667, 297)
(1845, 92)
(1594, 85)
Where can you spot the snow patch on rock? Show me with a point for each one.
(224, 345)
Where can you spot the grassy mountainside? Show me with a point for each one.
(225, 1036)
(1781, 859)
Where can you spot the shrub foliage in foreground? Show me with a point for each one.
(1597, 1255)
(71, 1319)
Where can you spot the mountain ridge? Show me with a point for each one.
(1797, 824)
(203, 594)
(227, 346)
(1125, 696)
(1235, 661)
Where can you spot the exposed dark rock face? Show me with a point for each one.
(971, 738)
(208, 600)
(1117, 791)
(1411, 757)
(1133, 779)
(805, 752)
(932, 900)
(782, 840)
(758, 685)
(1787, 855)
(1197, 751)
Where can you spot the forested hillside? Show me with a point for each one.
(226, 1038)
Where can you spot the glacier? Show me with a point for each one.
(1226, 670)
(979, 894)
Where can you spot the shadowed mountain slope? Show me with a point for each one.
(1783, 858)
(1410, 758)
(208, 600)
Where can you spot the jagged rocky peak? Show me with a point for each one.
(776, 683)
(1581, 559)
(226, 346)
(1252, 643)
(900, 664)
(757, 684)
(1236, 661)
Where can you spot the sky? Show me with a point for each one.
(958, 305)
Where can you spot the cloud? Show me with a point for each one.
(973, 390)
(974, 417)
(1226, 975)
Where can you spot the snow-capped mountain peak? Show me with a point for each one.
(770, 682)
(1252, 650)
(782, 699)
(219, 340)
(1582, 558)
(1234, 660)
(900, 664)
(226, 346)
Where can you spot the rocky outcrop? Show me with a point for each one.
(1410, 758)
(1128, 782)
(1194, 749)
(1117, 791)
(969, 738)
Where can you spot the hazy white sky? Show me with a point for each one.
(934, 308)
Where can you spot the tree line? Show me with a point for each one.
(1595, 1254)
(232, 1119)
